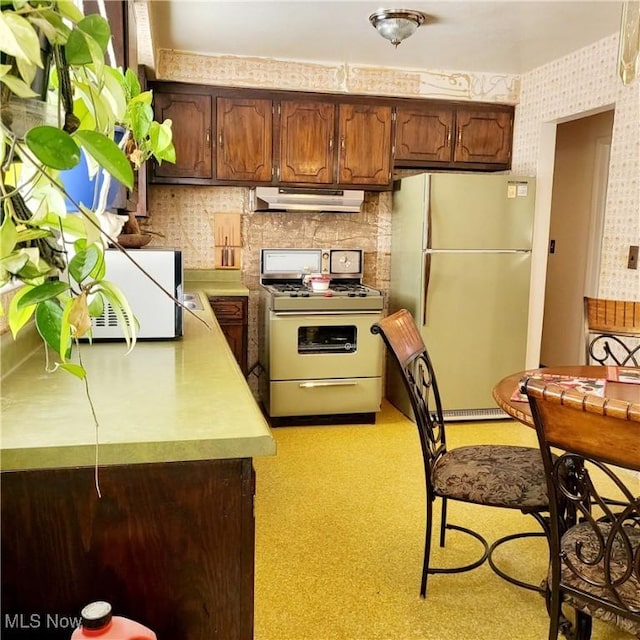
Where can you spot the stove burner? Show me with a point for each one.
(350, 289)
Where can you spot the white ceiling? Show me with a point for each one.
(503, 37)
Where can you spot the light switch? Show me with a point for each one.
(632, 262)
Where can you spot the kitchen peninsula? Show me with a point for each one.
(170, 542)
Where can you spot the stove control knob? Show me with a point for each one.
(293, 294)
(305, 294)
(362, 294)
(351, 294)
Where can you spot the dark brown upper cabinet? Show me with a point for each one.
(244, 140)
(424, 134)
(364, 132)
(190, 114)
(306, 142)
(483, 136)
(232, 136)
(456, 137)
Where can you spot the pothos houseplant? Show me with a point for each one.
(57, 255)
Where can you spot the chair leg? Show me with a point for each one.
(583, 626)
(427, 548)
(426, 569)
(443, 521)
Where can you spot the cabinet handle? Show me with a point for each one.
(220, 140)
(459, 137)
(342, 143)
(448, 135)
(330, 144)
(208, 137)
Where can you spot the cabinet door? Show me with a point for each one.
(306, 142)
(232, 315)
(483, 136)
(191, 125)
(365, 144)
(423, 135)
(243, 130)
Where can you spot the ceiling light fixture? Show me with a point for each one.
(397, 24)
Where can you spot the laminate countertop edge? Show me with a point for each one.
(166, 401)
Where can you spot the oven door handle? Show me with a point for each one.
(351, 312)
(341, 383)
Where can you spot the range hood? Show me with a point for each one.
(321, 200)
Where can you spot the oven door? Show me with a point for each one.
(316, 346)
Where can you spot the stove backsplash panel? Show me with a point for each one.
(185, 215)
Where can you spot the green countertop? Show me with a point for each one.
(214, 282)
(183, 399)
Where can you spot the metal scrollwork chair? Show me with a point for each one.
(612, 331)
(595, 545)
(494, 475)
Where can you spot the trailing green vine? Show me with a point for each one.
(58, 255)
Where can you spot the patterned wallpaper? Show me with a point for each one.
(586, 82)
(580, 83)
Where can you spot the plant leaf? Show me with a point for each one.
(132, 82)
(49, 323)
(17, 85)
(84, 262)
(116, 92)
(93, 27)
(160, 135)
(74, 369)
(51, 24)
(53, 147)
(96, 306)
(107, 153)
(43, 292)
(120, 306)
(8, 235)
(68, 9)
(19, 39)
(18, 317)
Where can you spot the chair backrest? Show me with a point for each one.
(612, 331)
(402, 337)
(593, 433)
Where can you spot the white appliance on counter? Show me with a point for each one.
(158, 315)
(460, 263)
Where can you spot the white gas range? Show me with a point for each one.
(317, 352)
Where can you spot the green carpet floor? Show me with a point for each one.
(339, 542)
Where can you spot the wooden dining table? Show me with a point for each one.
(503, 391)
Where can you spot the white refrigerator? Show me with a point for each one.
(460, 263)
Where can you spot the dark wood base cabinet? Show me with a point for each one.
(170, 545)
(232, 313)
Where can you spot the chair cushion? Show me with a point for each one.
(629, 591)
(495, 475)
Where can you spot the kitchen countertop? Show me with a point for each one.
(214, 283)
(166, 401)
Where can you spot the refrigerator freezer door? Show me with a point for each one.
(480, 211)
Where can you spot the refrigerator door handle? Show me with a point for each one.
(427, 277)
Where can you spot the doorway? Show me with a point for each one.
(575, 234)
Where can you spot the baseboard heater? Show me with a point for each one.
(462, 415)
